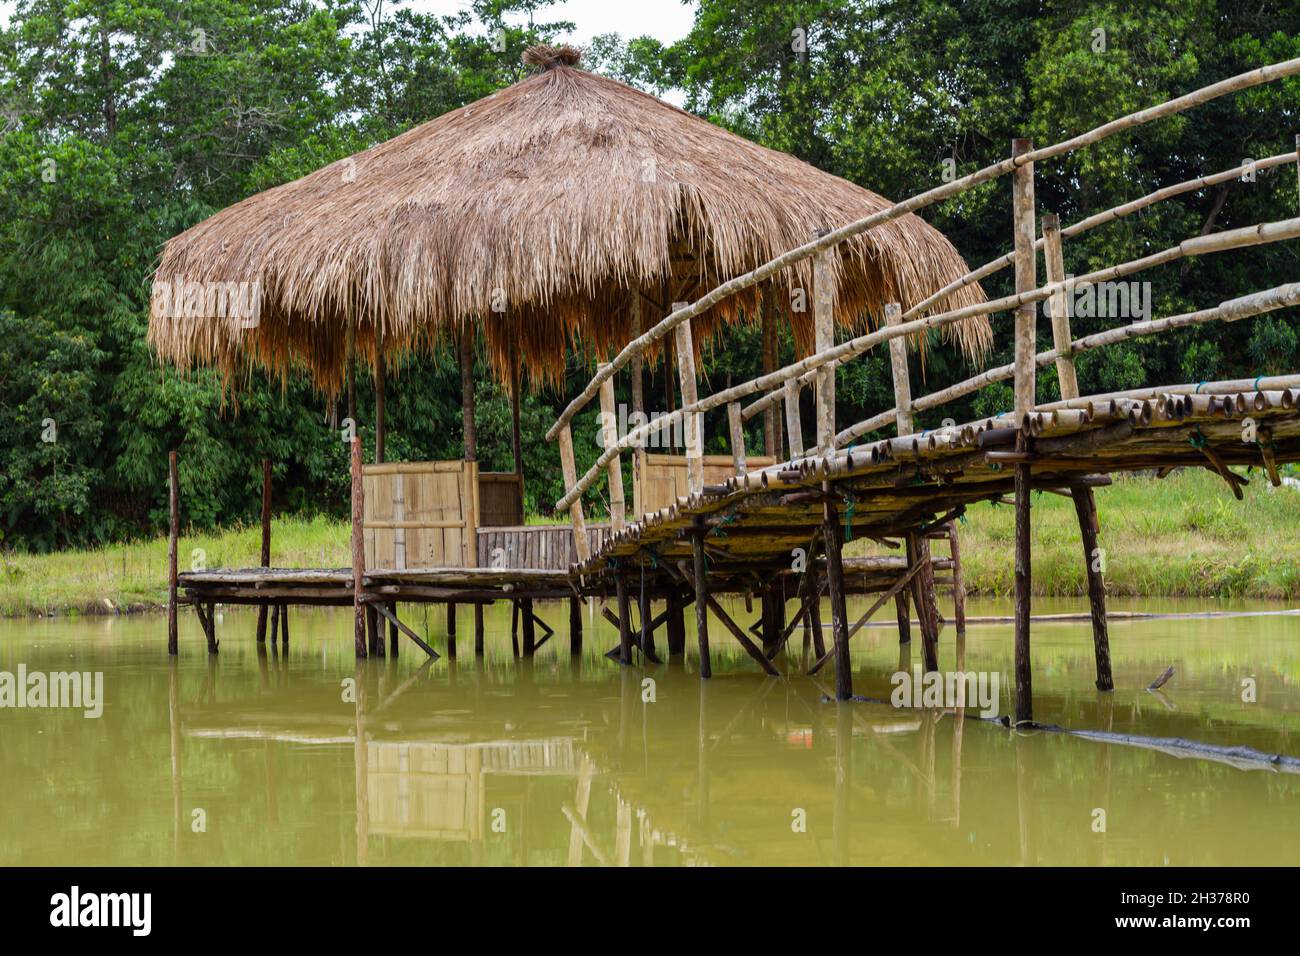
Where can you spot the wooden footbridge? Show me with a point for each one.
(777, 529)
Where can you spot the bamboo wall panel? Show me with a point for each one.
(659, 480)
(420, 514)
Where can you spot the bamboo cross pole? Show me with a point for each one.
(824, 332)
(920, 201)
(694, 423)
(614, 469)
(898, 362)
(570, 472)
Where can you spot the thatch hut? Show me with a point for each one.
(556, 215)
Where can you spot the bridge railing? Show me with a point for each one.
(817, 369)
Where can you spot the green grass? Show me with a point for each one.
(1183, 536)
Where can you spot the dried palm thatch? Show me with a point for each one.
(537, 213)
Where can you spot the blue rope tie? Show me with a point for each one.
(848, 521)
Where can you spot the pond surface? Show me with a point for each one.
(306, 758)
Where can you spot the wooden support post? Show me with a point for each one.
(451, 630)
(613, 470)
(516, 440)
(275, 624)
(1026, 270)
(284, 626)
(173, 550)
(904, 612)
(1085, 506)
(737, 429)
(266, 541)
(1054, 258)
(529, 620)
(466, 344)
(478, 630)
(644, 616)
(958, 580)
(918, 551)
(694, 421)
(793, 426)
(824, 333)
(832, 535)
(358, 553)
(380, 398)
(701, 596)
(393, 633)
(898, 362)
(514, 628)
(575, 626)
(815, 619)
(624, 622)
(570, 473)
(374, 639)
(676, 625)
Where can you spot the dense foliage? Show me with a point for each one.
(126, 122)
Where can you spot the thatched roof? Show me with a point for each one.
(554, 200)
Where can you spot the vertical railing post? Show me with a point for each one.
(637, 369)
(570, 472)
(613, 470)
(1054, 259)
(358, 552)
(693, 423)
(737, 429)
(173, 546)
(1022, 209)
(266, 542)
(898, 362)
(793, 426)
(824, 338)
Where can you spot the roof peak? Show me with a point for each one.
(548, 57)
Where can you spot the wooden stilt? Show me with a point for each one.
(451, 630)
(478, 630)
(701, 598)
(958, 579)
(904, 612)
(575, 626)
(1085, 506)
(676, 625)
(275, 624)
(208, 619)
(392, 629)
(530, 626)
(831, 534)
(624, 625)
(358, 553)
(918, 552)
(815, 621)
(266, 541)
(372, 630)
(514, 628)
(284, 626)
(1026, 279)
(173, 548)
(645, 615)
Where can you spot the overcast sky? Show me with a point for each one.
(666, 20)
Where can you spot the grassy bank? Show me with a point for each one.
(1183, 536)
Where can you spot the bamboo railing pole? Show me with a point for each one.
(793, 423)
(358, 553)
(1022, 210)
(737, 431)
(351, 351)
(1054, 258)
(516, 438)
(1242, 81)
(614, 469)
(381, 387)
(466, 346)
(1246, 237)
(1179, 104)
(1022, 199)
(570, 471)
(694, 422)
(638, 374)
(898, 362)
(173, 549)
(824, 332)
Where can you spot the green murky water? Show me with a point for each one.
(247, 759)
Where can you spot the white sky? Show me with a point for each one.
(665, 20)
